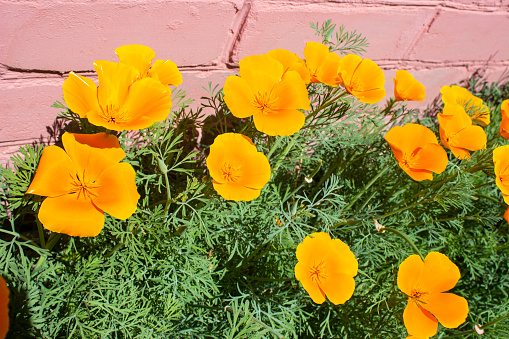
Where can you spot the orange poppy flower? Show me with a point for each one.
(425, 283)
(120, 103)
(4, 308)
(140, 57)
(417, 151)
(473, 105)
(83, 182)
(291, 62)
(322, 64)
(263, 92)
(504, 125)
(501, 161)
(238, 170)
(326, 267)
(362, 78)
(407, 88)
(506, 215)
(457, 132)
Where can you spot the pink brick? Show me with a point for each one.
(458, 35)
(389, 30)
(69, 35)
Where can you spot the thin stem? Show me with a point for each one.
(41, 233)
(406, 238)
(274, 147)
(259, 322)
(164, 170)
(284, 153)
(406, 207)
(483, 327)
(479, 195)
(52, 240)
(468, 217)
(269, 279)
(326, 104)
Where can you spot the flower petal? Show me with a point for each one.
(338, 287)
(450, 309)
(235, 191)
(117, 194)
(369, 76)
(472, 138)
(407, 88)
(347, 67)
(239, 98)
(315, 246)
(431, 157)
(283, 122)
(369, 97)
(504, 125)
(302, 275)
(54, 173)
(114, 82)
(261, 72)
(4, 308)
(138, 56)
(418, 321)
(80, 94)
(255, 171)
(341, 259)
(291, 92)
(166, 72)
(91, 154)
(315, 54)
(71, 215)
(409, 272)
(439, 273)
(408, 138)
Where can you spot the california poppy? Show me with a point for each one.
(326, 267)
(322, 64)
(501, 161)
(291, 62)
(425, 284)
(506, 215)
(140, 57)
(4, 308)
(407, 88)
(472, 105)
(362, 78)
(238, 170)
(121, 102)
(504, 125)
(83, 182)
(457, 132)
(417, 151)
(263, 92)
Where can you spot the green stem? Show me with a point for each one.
(373, 192)
(326, 104)
(52, 240)
(259, 322)
(483, 327)
(41, 233)
(269, 279)
(284, 153)
(406, 238)
(164, 170)
(468, 217)
(479, 195)
(406, 207)
(274, 147)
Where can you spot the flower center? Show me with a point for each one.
(408, 160)
(82, 188)
(416, 294)
(231, 172)
(318, 272)
(265, 102)
(113, 114)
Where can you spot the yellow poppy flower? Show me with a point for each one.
(473, 105)
(457, 132)
(4, 308)
(501, 161)
(291, 62)
(83, 182)
(140, 57)
(407, 88)
(417, 151)
(118, 104)
(362, 78)
(322, 64)
(425, 284)
(238, 170)
(263, 92)
(504, 125)
(326, 267)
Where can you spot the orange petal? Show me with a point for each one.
(117, 194)
(417, 174)
(167, 72)
(255, 171)
(114, 82)
(369, 77)
(80, 94)
(316, 245)
(138, 56)
(431, 157)
(439, 273)
(91, 154)
(418, 321)
(283, 122)
(369, 97)
(453, 119)
(409, 273)
(286, 58)
(409, 137)
(347, 67)
(4, 308)
(338, 287)
(315, 54)
(261, 72)
(472, 138)
(235, 192)
(448, 95)
(327, 73)
(239, 98)
(504, 125)
(302, 275)
(506, 215)
(72, 216)
(54, 174)
(407, 88)
(291, 92)
(300, 67)
(450, 309)
(341, 259)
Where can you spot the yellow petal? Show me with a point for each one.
(138, 56)
(291, 92)
(4, 308)
(286, 58)
(341, 259)
(407, 88)
(472, 138)
(114, 81)
(261, 72)
(439, 273)
(302, 275)
(506, 215)
(284, 122)
(117, 194)
(408, 138)
(255, 171)
(368, 76)
(238, 97)
(418, 321)
(501, 161)
(338, 287)
(167, 72)
(369, 97)
(72, 216)
(315, 54)
(409, 273)
(347, 67)
(504, 125)
(54, 173)
(450, 309)
(235, 192)
(80, 94)
(315, 245)
(431, 157)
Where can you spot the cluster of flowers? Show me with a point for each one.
(88, 179)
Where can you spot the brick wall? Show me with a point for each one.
(439, 42)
